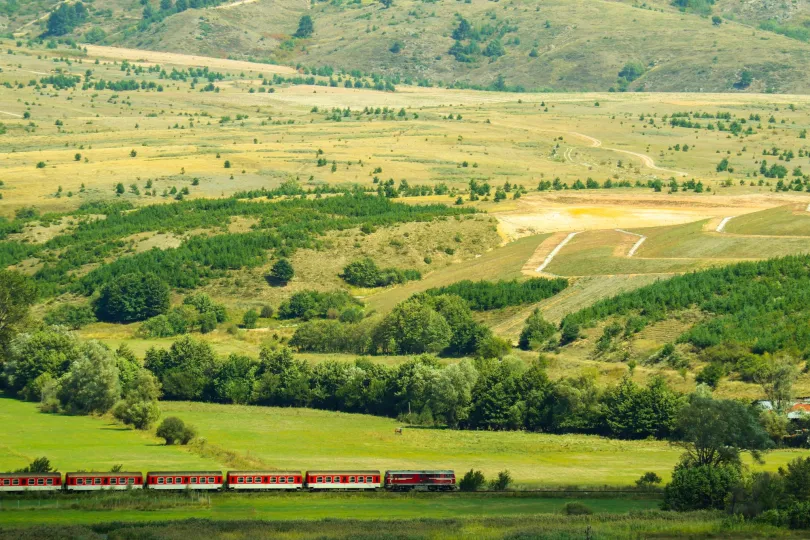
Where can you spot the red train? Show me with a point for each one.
(356, 480)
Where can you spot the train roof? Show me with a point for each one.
(343, 472)
(437, 471)
(266, 473)
(186, 473)
(102, 474)
(27, 474)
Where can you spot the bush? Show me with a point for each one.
(175, 431)
(282, 271)
(266, 312)
(576, 509)
(366, 273)
(472, 481)
(73, 317)
(648, 480)
(501, 483)
(250, 318)
(798, 516)
(702, 487)
(536, 331)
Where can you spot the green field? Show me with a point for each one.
(238, 437)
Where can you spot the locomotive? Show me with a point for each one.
(357, 480)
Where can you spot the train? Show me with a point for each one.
(243, 481)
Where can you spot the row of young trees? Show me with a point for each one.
(283, 226)
(759, 306)
(486, 295)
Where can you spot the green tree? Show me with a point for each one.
(91, 385)
(472, 481)
(132, 297)
(139, 407)
(535, 332)
(413, 327)
(17, 294)
(39, 465)
(249, 319)
(185, 370)
(777, 379)
(282, 271)
(305, 27)
(36, 357)
(715, 432)
(71, 316)
(175, 431)
(700, 487)
(235, 379)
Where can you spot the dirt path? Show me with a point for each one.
(723, 224)
(641, 239)
(596, 143)
(555, 251)
(236, 4)
(647, 160)
(11, 114)
(30, 23)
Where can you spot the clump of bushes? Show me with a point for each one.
(175, 431)
(366, 273)
(309, 304)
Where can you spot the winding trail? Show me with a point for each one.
(596, 143)
(11, 114)
(236, 4)
(555, 251)
(723, 224)
(641, 239)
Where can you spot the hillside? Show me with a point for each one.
(564, 45)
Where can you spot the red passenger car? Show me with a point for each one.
(97, 481)
(175, 480)
(30, 482)
(261, 480)
(343, 480)
(421, 480)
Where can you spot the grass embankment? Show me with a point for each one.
(557, 526)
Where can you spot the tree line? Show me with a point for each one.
(487, 295)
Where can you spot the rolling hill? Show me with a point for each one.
(565, 45)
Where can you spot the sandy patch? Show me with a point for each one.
(154, 57)
(572, 212)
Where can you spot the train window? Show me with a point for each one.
(282, 479)
(131, 480)
(15, 482)
(210, 479)
(290, 480)
(193, 479)
(319, 479)
(160, 480)
(369, 479)
(272, 479)
(97, 481)
(40, 481)
(257, 480)
(240, 480)
(351, 479)
(178, 480)
(249, 479)
(170, 480)
(328, 479)
(337, 479)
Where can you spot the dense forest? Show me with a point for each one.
(486, 295)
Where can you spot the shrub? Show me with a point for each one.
(472, 481)
(250, 318)
(576, 509)
(175, 431)
(700, 487)
(798, 516)
(282, 271)
(536, 331)
(648, 480)
(366, 273)
(73, 317)
(501, 483)
(266, 312)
